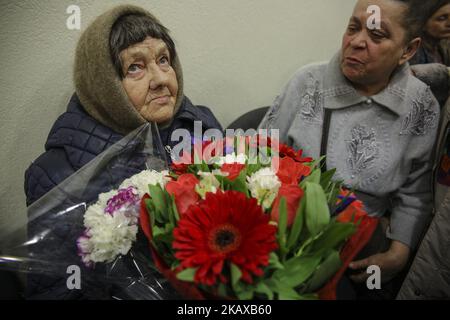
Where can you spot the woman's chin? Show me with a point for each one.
(160, 116)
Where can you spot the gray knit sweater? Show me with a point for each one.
(380, 145)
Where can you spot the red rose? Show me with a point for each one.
(184, 191)
(290, 171)
(292, 194)
(180, 166)
(233, 170)
(286, 151)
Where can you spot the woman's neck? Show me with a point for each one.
(369, 90)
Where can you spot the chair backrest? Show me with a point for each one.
(249, 120)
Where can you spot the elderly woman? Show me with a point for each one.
(127, 73)
(374, 121)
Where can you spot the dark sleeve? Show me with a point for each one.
(47, 171)
(208, 118)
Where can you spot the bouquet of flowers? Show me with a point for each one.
(239, 226)
(226, 220)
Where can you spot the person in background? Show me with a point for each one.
(430, 63)
(376, 123)
(434, 47)
(429, 275)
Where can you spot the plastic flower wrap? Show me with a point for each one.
(233, 227)
(90, 222)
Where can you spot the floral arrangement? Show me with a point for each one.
(112, 222)
(235, 226)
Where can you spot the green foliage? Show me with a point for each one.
(187, 274)
(317, 211)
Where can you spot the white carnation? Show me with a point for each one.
(109, 235)
(104, 197)
(264, 185)
(141, 180)
(114, 237)
(231, 158)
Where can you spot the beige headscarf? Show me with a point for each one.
(97, 84)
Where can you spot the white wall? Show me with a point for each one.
(236, 56)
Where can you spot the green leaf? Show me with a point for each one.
(264, 289)
(282, 219)
(297, 225)
(317, 211)
(326, 178)
(187, 274)
(245, 295)
(314, 177)
(158, 198)
(252, 168)
(222, 290)
(297, 270)
(239, 184)
(150, 211)
(236, 274)
(332, 237)
(334, 193)
(169, 209)
(316, 163)
(174, 208)
(288, 294)
(274, 261)
(324, 272)
(157, 231)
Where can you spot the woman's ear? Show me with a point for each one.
(410, 50)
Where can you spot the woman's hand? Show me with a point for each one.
(390, 262)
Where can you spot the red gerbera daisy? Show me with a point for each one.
(225, 227)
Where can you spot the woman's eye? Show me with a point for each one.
(351, 29)
(164, 60)
(377, 35)
(134, 69)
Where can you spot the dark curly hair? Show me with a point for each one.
(414, 20)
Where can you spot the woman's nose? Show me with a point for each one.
(158, 78)
(359, 40)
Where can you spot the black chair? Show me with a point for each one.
(249, 120)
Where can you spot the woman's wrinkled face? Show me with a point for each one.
(438, 26)
(149, 79)
(370, 56)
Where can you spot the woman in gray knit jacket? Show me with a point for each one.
(374, 121)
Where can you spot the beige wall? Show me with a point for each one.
(236, 56)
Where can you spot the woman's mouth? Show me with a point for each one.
(352, 60)
(161, 100)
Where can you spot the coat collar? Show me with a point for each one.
(339, 92)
